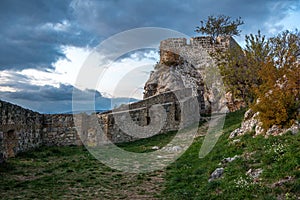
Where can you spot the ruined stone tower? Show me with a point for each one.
(187, 65)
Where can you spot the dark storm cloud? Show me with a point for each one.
(33, 31)
(108, 17)
(49, 99)
(50, 93)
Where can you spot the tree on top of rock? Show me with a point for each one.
(219, 25)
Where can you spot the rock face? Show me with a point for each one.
(166, 79)
(234, 104)
(184, 65)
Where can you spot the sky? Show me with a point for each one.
(44, 44)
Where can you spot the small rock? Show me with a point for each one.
(216, 174)
(234, 133)
(173, 149)
(254, 173)
(228, 160)
(258, 129)
(236, 141)
(248, 114)
(155, 148)
(295, 128)
(274, 130)
(176, 148)
(282, 181)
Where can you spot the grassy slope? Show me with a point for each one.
(72, 173)
(279, 157)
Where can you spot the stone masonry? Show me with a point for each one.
(22, 129)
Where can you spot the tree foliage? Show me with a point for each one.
(266, 75)
(240, 67)
(279, 93)
(219, 25)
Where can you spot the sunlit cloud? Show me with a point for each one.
(126, 77)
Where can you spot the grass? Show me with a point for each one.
(279, 157)
(73, 173)
(145, 145)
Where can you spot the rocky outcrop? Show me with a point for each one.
(178, 77)
(254, 173)
(234, 104)
(190, 65)
(252, 124)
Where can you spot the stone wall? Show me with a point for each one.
(142, 117)
(155, 115)
(59, 130)
(22, 129)
(196, 52)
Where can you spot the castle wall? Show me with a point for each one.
(145, 116)
(22, 129)
(59, 130)
(139, 121)
(196, 52)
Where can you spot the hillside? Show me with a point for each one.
(262, 169)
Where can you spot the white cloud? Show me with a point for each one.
(123, 78)
(291, 22)
(126, 77)
(61, 26)
(65, 71)
(69, 68)
(7, 89)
